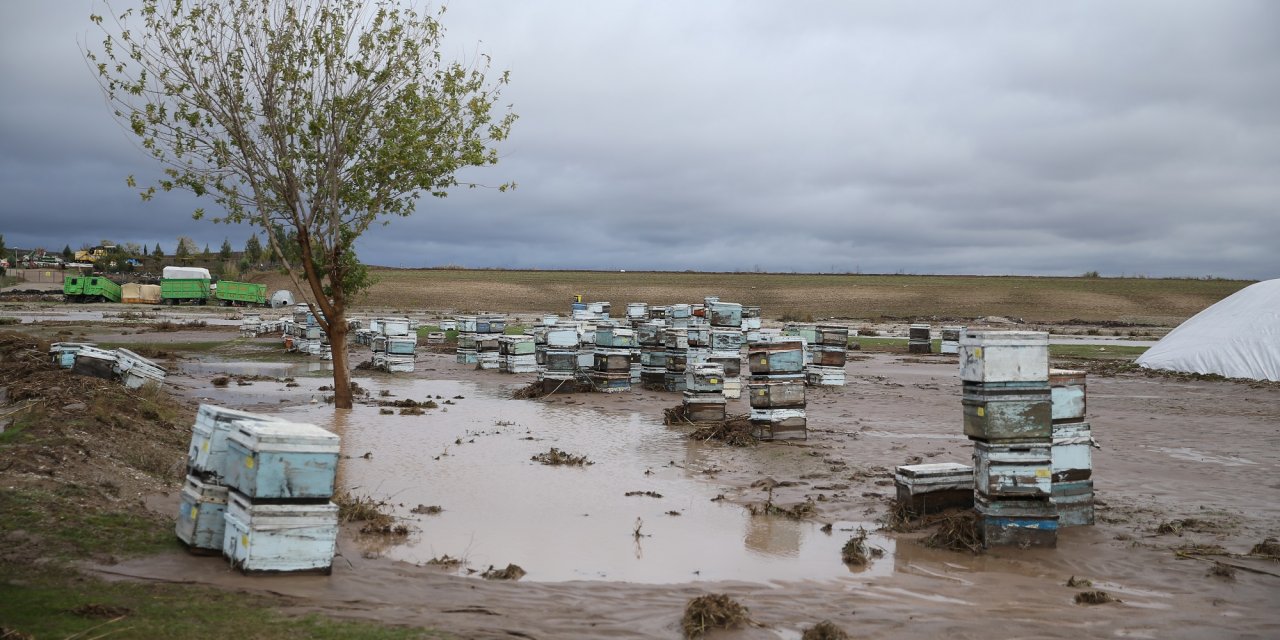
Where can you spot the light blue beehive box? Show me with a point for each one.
(200, 516)
(279, 538)
(207, 456)
(281, 460)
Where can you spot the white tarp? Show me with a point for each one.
(1239, 337)
(185, 273)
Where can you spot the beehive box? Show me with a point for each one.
(776, 357)
(611, 360)
(1030, 523)
(705, 378)
(704, 407)
(827, 356)
(775, 395)
(730, 361)
(1072, 451)
(1007, 412)
(831, 335)
(726, 340)
(1004, 356)
(200, 520)
(825, 376)
(930, 488)
(1069, 397)
(724, 314)
(1074, 503)
(207, 455)
(280, 538)
(779, 424)
(609, 382)
(281, 460)
(1021, 471)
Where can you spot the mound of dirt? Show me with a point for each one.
(97, 444)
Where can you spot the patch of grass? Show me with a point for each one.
(1095, 597)
(9, 320)
(1096, 351)
(60, 604)
(513, 330)
(710, 612)
(142, 348)
(66, 528)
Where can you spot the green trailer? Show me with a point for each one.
(179, 290)
(240, 293)
(90, 289)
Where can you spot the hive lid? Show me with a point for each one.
(935, 469)
(277, 436)
(1004, 338)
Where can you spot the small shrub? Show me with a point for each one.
(712, 611)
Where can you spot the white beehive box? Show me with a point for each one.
(279, 538)
(1004, 356)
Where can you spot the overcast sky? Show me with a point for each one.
(1007, 137)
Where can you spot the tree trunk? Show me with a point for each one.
(341, 372)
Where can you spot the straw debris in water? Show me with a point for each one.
(557, 458)
(856, 552)
(712, 611)
(956, 532)
(512, 572)
(1094, 597)
(1268, 548)
(825, 630)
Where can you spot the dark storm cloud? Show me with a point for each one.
(1050, 138)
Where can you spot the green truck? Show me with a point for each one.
(178, 290)
(240, 293)
(90, 289)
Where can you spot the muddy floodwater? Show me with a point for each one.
(473, 458)
(1187, 479)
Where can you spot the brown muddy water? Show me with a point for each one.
(472, 457)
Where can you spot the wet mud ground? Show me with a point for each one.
(1203, 453)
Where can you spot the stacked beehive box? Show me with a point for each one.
(1008, 415)
(726, 340)
(651, 336)
(829, 355)
(950, 340)
(918, 339)
(806, 332)
(677, 342)
(488, 329)
(751, 324)
(559, 356)
(467, 340)
(279, 517)
(678, 316)
(250, 325)
(611, 368)
(777, 391)
(1072, 449)
(518, 354)
(399, 346)
(258, 491)
(704, 399)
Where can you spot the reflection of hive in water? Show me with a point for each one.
(774, 535)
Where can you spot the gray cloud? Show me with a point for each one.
(1040, 138)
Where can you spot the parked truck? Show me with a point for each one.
(90, 289)
(185, 284)
(240, 293)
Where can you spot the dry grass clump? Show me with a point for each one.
(558, 458)
(374, 513)
(221, 381)
(1224, 571)
(825, 630)
(512, 572)
(1079, 583)
(429, 510)
(445, 560)
(1269, 548)
(956, 532)
(799, 511)
(856, 552)
(712, 611)
(735, 431)
(1094, 597)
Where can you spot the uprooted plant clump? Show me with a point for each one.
(735, 431)
(825, 630)
(856, 552)
(712, 611)
(558, 458)
(957, 531)
(1095, 597)
(511, 572)
(1268, 548)
(375, 514)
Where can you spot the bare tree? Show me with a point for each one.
(311, 121)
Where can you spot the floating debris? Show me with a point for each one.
(429, 510)
(1079, 583)
(712, 611)
(512, 572)
(956, 532)
(650, 494)
(1269, 548)
(825, 630)
(856, 552)
(556, 458)
(1095, 597)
